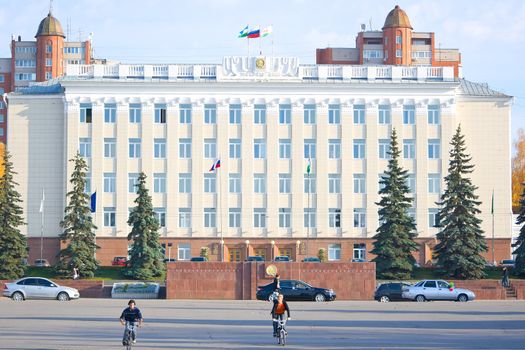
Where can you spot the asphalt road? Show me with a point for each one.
(190, 324)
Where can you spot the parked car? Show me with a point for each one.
(119, 261)
(392, 291)
(169, 260)
(312, 259)
(436, 290)
(38, 288)
(282, 258)
(42, 263)
(255, 258)
(359, 260)
(508, 263)
(296, 290)
(198, 258)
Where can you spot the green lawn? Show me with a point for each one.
(106, 273)
(422, 273)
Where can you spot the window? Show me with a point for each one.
(210, 148)
(135, 114)
(160, 215)
(409, 115)
(359, 217)
(309, 148)
(235, 114)
(134, 148)
(434, 115)
(235, 148)
(210, 114)
(398, 53)
(285, 114)
(259, 148)
(285, 183)
(49, 48)
(285, 148)
(384, 149)
(384, 114)
(110, 113)
(412, 213)
(110, 182)
(372, 54)
(430, 284)
(159, 183)
(133, 181)
(433, 217)
(259, 114)
(25, 76)
(433, 149)
(160, 114)
(359, 149)
(185, 113)
(185, 148)
(87, 187)
(285, 217)
(334, 252)
(334, 114)
(73, 50)
(110, 148)
(334, 217)
(398, 40)
(1, 131)
(2, 78)
(309, 183)
(334, 183)
(184, 217)
(184, 252)
(359, 183)
(210, 183)
(2, 119)
(434, 183)
(309, 217)
(109, 217)
(209, 217)
(84, 147)
(334, 148)
(359, 251)
(25, 49)
(159, 148)
(259, 183)
(235, 183)
(359, 114)
(409, 149)
(86, 113)
(411, 183)
(25, 63)
(49, 62)
(259, 217)
(382, 185)
(309, 114)
(185, 183)
(235, 217)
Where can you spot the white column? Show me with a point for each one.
(198, 166)
(97, 167)
(298, 170)
(321, 172)
(247, 167)
(422, 170)
(122, 209)
(272, 169)
(222, 132)
(372, 168)
(172, 169)
(347, 176)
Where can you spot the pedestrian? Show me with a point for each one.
(505, 278)
(277, 282)
(75, 273)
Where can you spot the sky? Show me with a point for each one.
(490, 35)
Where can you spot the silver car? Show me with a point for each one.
(38, 288)
(436, 290)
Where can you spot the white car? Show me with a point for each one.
(38, 288)
(436, 290)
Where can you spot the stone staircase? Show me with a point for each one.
(511, 293)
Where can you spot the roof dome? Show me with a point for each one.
(50, 26)
(397, 18)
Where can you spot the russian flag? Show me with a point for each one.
(216, 164)
(254, 33)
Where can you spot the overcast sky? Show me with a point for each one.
(489, 34)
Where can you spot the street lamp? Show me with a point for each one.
(273, 244)
(247, 248)
(222, 249)
(297, 252)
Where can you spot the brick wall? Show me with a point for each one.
(519, 287)
(484, 289)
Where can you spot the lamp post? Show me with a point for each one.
(297, 251)
(273, 244)
(221, 242)
(247, 248)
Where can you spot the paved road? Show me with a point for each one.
(189, 324)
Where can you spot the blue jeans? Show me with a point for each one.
(133, 332)
(276, 324)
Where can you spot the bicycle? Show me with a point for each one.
(128, 335)
(281, 331)
(273, 296)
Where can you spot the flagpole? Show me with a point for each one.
(493, 257)
(220, 212)
(42, 226)
(309, 217)
(260, 52)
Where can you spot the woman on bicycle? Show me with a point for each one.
(132, 315)
(279, 307)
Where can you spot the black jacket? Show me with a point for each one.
(285, 307)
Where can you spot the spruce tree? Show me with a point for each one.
(79, 229)
(519, 268)
(394, 241)
(13, 245)
(146, 259)
(461, 240)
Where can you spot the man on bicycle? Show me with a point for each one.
(279, 307)
(132, 315)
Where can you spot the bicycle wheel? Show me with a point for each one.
(283, 337)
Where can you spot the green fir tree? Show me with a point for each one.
(394, 240)
(13, 244)
(461, 239)
(519, 245)
(146, 258)
(79, 229)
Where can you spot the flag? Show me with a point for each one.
(42, 201)
(309, 166)
(243, 33)
(216, 164)
(94, 202)
(267, 31)
(254, 33)
(492, 208)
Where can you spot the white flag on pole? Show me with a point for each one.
(42, 201)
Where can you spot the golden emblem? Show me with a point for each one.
(260, 63)
(271, 270)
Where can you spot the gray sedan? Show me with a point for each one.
(436, 290)
(38, 288)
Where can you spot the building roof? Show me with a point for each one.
(470, 88)
(397, 18)
(50, 26)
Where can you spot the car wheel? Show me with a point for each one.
(63, 296)
(463, 298)
(420, 298)
(320, 298)
(384, 299)
(17, 296)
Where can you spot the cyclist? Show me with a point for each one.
(279, 307)
(132, 315)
